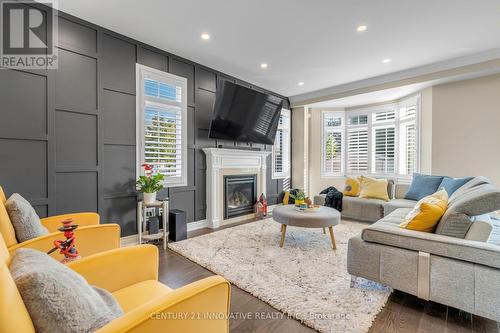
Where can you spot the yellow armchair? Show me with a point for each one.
(82, 219)
(131, 275)
(91, 237)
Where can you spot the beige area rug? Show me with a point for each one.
(305, 279)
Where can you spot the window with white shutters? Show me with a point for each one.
(281, 148)
(408, 148)
(383, 150)
(332, 145)
(378, 140)
(161, 124)
(357, 150)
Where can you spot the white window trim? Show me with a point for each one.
(284, 174)
(143, 72)
(341, 129)
(415, 99)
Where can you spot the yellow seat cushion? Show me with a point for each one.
(137, 294)
(351, 187)
(427, 212)
(373, 188)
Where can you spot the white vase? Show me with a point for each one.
(149, 198)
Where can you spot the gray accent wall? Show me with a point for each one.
(67, 136)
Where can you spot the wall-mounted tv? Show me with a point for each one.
(244, 114)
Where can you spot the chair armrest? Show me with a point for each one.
(82, 219)
(89, 240)
(119, 268)
(202, 306)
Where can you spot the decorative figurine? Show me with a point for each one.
(263, 201)
(67, 247)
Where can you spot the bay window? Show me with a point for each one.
(379, 140)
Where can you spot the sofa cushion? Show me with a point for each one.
(137, 294)
(477, 200)
(392, 205)
(427, 212)
(452, 184)
(422, 186)
(400, 190)
(374, 188)
(57, 298)
(351, 187)
(387, 232)
(476, 181)
(24, 219)
(362, 209)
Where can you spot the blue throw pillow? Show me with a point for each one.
(422, 186)
(453, 184)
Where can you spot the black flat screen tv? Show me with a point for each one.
(244, 114)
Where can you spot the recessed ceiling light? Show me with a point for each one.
(263, 65)
(205, 36)
(362, 28)
(386, 61)
(300, 83)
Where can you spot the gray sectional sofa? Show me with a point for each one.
(372, 210)
(458, 265)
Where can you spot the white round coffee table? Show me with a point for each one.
(289, 215)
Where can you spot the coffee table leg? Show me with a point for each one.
(324, 231)
(332, 237)
(283, 231)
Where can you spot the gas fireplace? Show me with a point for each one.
(240, 195)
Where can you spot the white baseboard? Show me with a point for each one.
(197, 225)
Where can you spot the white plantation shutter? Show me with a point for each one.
(408, 148)
(332, 150)
(163, 139)
(384, 150)
(384, 116)
(281, 148)
(333, 153)
(357, 150)
(161, 124)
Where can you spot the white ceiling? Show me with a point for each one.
(311, 41)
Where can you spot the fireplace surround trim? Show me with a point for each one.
(218, 160)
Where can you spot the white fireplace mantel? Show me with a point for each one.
(219, 159)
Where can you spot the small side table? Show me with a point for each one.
(141, 221)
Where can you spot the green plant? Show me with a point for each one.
(299, 195)
(149, 183)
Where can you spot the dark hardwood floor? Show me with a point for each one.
(402, 313)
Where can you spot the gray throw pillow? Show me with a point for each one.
(24, 219)
(57, 298)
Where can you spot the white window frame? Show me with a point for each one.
(286, 160)
(339, 129)
(371, 125)
(143, 73)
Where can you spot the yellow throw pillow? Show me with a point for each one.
(373, 188)
(351, 188)
(427, 212)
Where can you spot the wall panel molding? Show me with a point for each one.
(77, 152)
